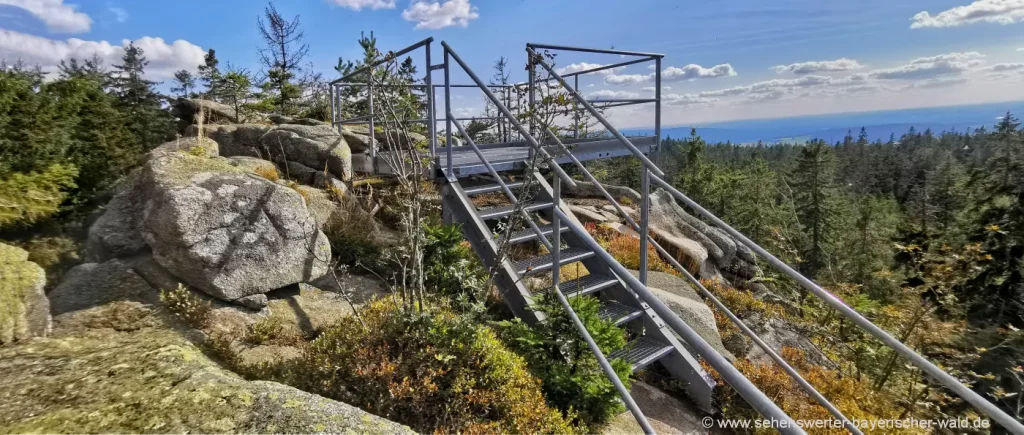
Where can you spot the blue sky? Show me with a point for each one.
(724, 60)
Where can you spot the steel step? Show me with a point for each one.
(502, 211)
(543, 263)
(618, 313)
(527, 234)
(491, 188)
(642, 351)
(583, 286)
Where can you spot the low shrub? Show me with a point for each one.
(268, 172)
(450, 267)
(434, 371)
(191, 308)
(265, 330)
(571, 378)
(353, 239)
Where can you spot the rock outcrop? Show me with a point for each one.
(683, 300)
(215, 225)
(705, 250)
(24, 307)
(118, 369)
(186, 109)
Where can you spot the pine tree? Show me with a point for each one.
(184, 83)
(138, 101)
(282, 59)
(999, 227)
(814, 199)
(209, 75)
(235, 88)
(91, 69)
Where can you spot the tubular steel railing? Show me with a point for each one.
(651, 173)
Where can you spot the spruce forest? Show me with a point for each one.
(923, 233)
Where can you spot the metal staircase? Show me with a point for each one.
(533, 212)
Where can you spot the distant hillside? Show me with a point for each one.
(833, 127)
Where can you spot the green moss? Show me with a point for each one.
(145, 381)
(19, 277)
(181, 168)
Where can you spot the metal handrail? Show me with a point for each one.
(746, 389)
(504, 187)
(508, 114)
(806, 386)
(555, 249)
(386, 58)
(602, 360)
(921, 362)
(597, 115)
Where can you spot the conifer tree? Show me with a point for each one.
(139, 103)
(209, 75)
(184, 83)
(282, 59)
(814, 199)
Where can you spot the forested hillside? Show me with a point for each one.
(923, 233)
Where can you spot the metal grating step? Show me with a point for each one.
(618, 313)
(491, 188)
(527, 234)
(502, 211)
(583, 286)
(542, 263)
(642, 351)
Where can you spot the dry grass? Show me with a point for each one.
(268, 172)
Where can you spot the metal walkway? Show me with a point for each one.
(534, 213)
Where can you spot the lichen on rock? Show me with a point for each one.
(142, 377)
(24, 308)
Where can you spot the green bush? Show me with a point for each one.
(27, 198)
(450, 268)
(191, 308)
(571, 377)
(434, 371)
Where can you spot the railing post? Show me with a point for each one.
(576, 109)
(431, 123)
(657, 104)
(369, 102)
(447, 114)
(532, 72)
(556, 269)
(645, 210)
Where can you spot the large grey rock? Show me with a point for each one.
(93, 284)
(586, 189)
(205, 147)
(683, 300)
(226, 232)
(236, 139)
(252, 163)
(385, 139)
(312, 146)
(24, 307)
(121, 370)
(215, 113)
(282, 119)
(116, 233)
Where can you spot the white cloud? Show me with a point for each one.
(673, 74)
(57, 16)
(666, 88)
(440, 15)
(583, 66)
(1020, 49)
(688, 99)
(590, 85)
(939, 83)
(951, 57)
(360, 4)
(1000, 67)
(693, 71)
(628, 79)
(606, 93)
(164, 59)
(120, 14)
(980, 11)
(651, 88)
(928, 67)
(841, 64)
